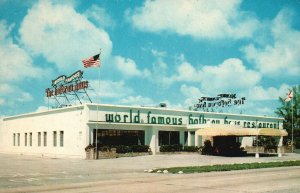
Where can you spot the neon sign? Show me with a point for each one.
(64, 84)
(64, 88)
(221, 100)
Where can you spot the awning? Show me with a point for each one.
(237, 130)
(226, 130)
(272, 132)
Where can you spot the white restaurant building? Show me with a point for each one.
(65, 132)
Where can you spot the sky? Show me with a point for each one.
(152, 52)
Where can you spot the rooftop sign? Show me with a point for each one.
(68, 85)
(221, 100)
(64, 79)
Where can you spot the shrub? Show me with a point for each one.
(207, 148)
(122, 149)
(140, 148)
(133, 148)
(170, 148)
(191, 148)
(104, 148)
(90, 146)
(297, 142)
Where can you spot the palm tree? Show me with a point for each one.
(290, 111)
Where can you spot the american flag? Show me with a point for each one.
(93, 61)
(289, 96)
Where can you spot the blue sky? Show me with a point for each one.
(152, 51)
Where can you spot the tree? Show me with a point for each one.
(290, 111)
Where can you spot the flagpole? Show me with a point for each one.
(256, 153)
(292, 126)
(98, 102)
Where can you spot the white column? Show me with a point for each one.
(181, 137)
(91, 136)
(189, 138)
(196, 140)
(280, 141)
(154, 141)
(280, 146)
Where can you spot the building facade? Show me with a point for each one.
(65, 132)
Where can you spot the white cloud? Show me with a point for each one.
(137, 100)
(100, 16)
(160, 72)
(128, 67)
(231, 75)
(62, 35)
(110, 89)
(191, 93)
(25, 97)
(6, 88)
(4, 29)
(271, 93)
(282, 56)
(198, 18)
(15, 62)
(265, 111)
(157, 53)
(2, 101)
(16, 65)
(13, 95)
(41, 109)
(187, 72)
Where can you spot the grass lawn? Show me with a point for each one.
(229, 167)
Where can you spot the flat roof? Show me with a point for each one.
(50, 111)
(81, 106)
(181, 110)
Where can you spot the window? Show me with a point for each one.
(111, 137)
(25, 139)
(168, 137)
(14, 142)
(54, 138)
(45, 139)
(39, 138)
(30, 139)
(61, 138)
(18, 139)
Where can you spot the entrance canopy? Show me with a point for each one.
(237, 130)
(272, 132)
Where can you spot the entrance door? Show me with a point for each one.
(227, 145)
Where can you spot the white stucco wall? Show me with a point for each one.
(70, 120)
(78, 122)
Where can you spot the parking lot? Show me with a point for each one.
(18, 171)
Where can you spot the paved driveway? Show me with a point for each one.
(25, 171)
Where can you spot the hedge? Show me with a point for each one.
(170, 148)
(133, 148)
(191, 148)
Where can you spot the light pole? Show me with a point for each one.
(256, 154)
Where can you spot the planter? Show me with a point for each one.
(286, 149)
(177, 152)
(134, 154)
(90, 153)
(252, 149)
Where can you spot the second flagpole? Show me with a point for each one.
(98, 102)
